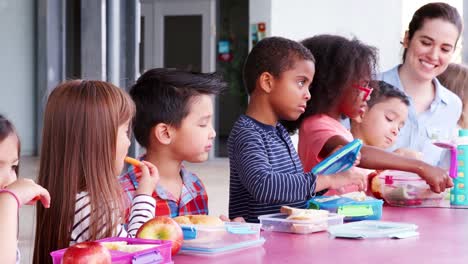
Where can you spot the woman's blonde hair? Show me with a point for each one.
(455, 78)
(78, 154)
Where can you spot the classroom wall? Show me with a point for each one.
(367, 20)
(260, 11)
(17, 45)
(377, 23)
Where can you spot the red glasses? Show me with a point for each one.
(365, 89)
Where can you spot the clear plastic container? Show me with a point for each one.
(216, 251)
(160, 253)
(199, 239)
(352, 210)
(399, 188)
(279, 223)
(374, 229)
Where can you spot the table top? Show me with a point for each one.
(443, 239)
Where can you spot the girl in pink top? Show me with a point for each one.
(340, 88)
(322, 127)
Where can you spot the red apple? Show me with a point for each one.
(374, 185)
(87, 252)
(162, 228)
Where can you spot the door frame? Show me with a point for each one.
(154, 11)
(154, 28)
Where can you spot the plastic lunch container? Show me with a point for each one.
(374, 229)
(207, 240)
(160, 253)
(352, 210)
(279, 223)
(399, 188)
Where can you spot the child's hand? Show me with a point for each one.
(353, 176)
(149, 178)
(436, 178)
(358, 159)
(28, 192)
(237, 219)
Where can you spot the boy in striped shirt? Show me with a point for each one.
(173, 122)
(265, 170)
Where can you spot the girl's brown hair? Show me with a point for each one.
(78, 154)
(455, 78)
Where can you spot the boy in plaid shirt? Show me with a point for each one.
(173, 122)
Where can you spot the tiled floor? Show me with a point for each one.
(214, 173)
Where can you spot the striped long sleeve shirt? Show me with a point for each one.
(265, 171)
(142, 210)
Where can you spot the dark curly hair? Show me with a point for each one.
(339, 62)
(274, 55)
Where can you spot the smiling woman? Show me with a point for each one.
(429, 45)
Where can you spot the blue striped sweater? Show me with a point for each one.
(266, 172)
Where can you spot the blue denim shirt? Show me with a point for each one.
(439, 121)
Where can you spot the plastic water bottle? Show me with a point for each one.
(459, 192)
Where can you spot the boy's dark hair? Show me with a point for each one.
(164, 96)
(383, 91)
(339, 62)
(274, 55)
(439, 10)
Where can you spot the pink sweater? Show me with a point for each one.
(314, 132)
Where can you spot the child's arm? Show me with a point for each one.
(378, 159)
(142, 210)
(80, 231)
(353, 176)
(8, 227)
(16, 194)
(149, 178)
(143, 204)
(409, 153)
(29, 192)
(143, 207)
(263, 183)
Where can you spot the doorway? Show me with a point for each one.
(179, 34)
(183, 33)
(233, 32)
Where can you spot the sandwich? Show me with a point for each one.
(123, 246)
(303, 214)
(204, 220)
